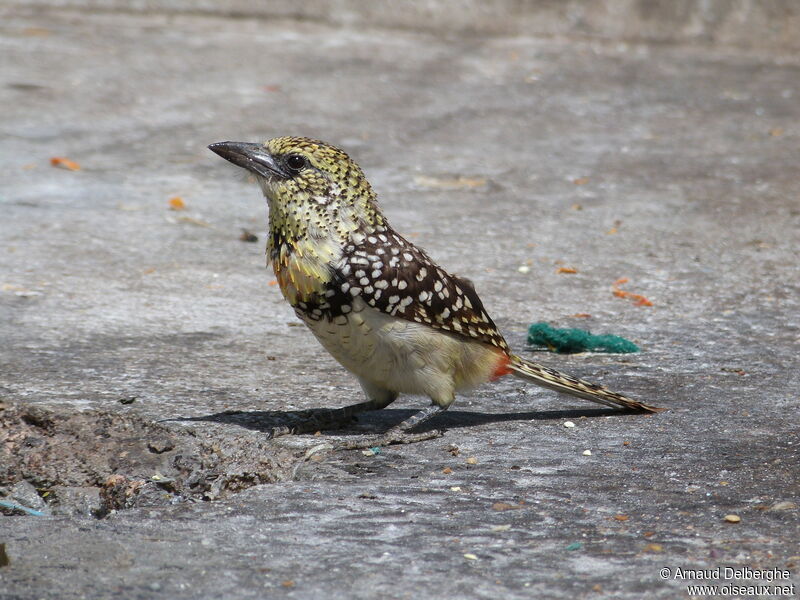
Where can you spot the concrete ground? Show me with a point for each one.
(145, 350)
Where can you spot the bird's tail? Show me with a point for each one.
(561, 382)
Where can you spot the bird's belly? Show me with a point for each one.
(404, 356)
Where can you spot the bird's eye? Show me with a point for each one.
(295, 162)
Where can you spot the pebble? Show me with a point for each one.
(25, 494)
(159, 446)
(733, 518)
(470, 556)
(569, 424)
(587, 452)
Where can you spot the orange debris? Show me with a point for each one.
(65, 163)
(638, 299)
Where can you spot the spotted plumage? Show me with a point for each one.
(392, 275)
(375, 301)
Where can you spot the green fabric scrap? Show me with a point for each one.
(569, 341)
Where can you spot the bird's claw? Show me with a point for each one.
(389, 438)
(279, 431)
(308, 421)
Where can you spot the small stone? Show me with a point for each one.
(499, 528)
(569, 424)
(160, 446)
(524, 269)
(248, 236)
(25, 493)
(472, 460)
(455, 488)
(587, 452)
(500, 506)
(470, 556)
(733, 518)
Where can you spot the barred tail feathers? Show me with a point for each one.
(561, 382)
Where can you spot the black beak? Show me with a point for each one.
(253, 157)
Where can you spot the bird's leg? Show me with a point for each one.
(325, 418)
(399, 434)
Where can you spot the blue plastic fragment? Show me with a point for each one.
(574, 546)
(24, 509)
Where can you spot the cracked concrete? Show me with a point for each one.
(672, 165)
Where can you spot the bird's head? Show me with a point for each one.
(319, 202)
(296, 171)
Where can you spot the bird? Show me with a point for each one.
(375, 301)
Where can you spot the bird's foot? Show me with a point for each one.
(393, 436)
(279, 431)
(310, 421)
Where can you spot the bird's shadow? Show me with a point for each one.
(380, 420)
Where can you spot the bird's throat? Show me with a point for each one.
(308, 235)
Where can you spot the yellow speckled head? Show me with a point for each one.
(305, 180)
(296, 169)
(316, 168)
